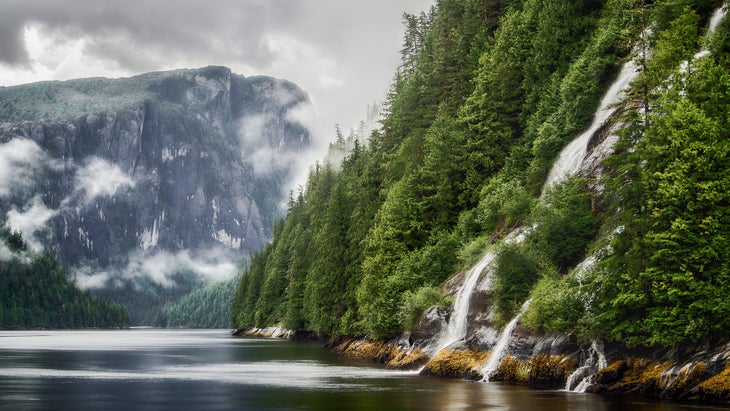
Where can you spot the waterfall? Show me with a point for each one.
(456, 328)
(500, 348)
(715, 20)
(585, 375)
(457, 325)
(571, 158)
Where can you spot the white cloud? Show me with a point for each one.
(342, 53)
(30, 220)
(161, 267)
(5, 253)
(293, 54)
(20, 159)
(99, 178)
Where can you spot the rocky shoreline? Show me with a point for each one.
(695, 373)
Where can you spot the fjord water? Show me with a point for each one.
(209, 370)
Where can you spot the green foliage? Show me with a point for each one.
(488, 94)
(35, 293)
(565, 223)
(558, 303)
(471, 252)
(516, 269)
(667, 280)
(503, 204)
(555, 307)
(414, 303)
(207, 307)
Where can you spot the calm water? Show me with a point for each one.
(209, 370)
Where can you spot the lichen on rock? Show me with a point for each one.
(456, 364)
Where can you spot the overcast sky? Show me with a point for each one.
(342, 52)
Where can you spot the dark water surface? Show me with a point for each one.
(209, 370)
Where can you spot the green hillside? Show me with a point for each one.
(488, 94)
(35, 293)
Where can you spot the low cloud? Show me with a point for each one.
(5, 252)
(162, 267)
(30, 220)
(20, 160)
(99, 178)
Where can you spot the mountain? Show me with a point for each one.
(548, 189)
(153, 181)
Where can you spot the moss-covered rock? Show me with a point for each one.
(612, 373)
(549, 371)
(456, 364)
(408, 359)
(687, 378)
(513, 370)
(717, 387)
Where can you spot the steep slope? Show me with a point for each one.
(35, 293)
(621, 256)
(165, 176)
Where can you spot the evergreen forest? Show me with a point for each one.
(35, 293)
(487, 95)
(206, 307)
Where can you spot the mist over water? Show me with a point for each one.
(152, 369)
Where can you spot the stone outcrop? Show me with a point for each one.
(393, 354)
(559, 361)
(186, 165)
(183, 145)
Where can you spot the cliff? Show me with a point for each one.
(167, 177)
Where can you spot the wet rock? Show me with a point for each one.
(450, 363)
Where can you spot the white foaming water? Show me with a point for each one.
(585, 375)
(500, 348)
(570, 159)
(716, 19)
(456, 328)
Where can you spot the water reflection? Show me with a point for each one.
(208, 370)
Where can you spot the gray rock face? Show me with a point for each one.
(103, 171)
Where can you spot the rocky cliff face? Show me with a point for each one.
(149, 176)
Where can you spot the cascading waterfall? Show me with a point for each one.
(573, 155)
(715, 20)
(569, 162)
(584, 375)
(500, 348)
(571, 158)
(457, 325)
(456, 328)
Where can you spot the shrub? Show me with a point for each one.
(516, 270)
(414, 303)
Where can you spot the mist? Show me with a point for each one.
(161, 267)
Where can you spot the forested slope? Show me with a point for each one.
(488, 94)
(35, 293)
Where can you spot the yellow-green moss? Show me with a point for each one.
(407, 359)
(456, 364)
(640, 375)
(716, 387)
(513, 370)
(549, 371)
(367, 350)
(378, 351)
(612, 373)
(688, 378)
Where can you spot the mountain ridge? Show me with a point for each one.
(187, 164)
